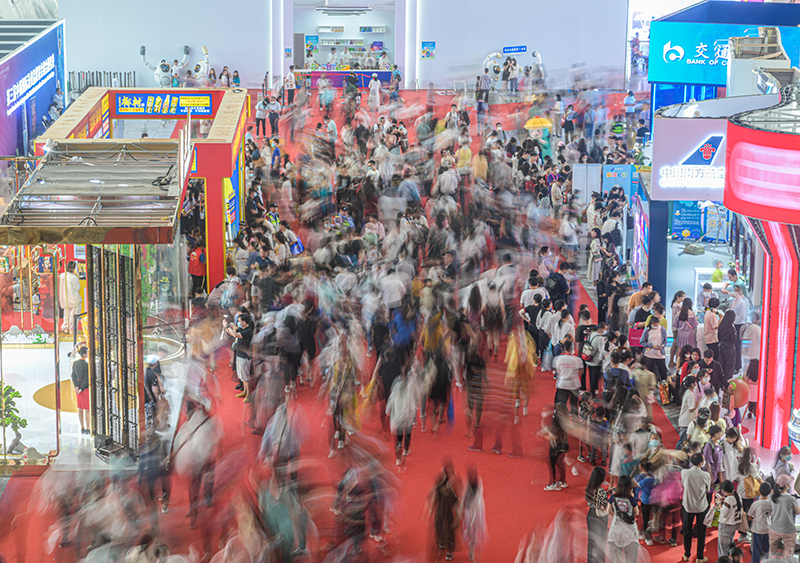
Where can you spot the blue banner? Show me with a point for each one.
(29, 79)
(510, 50)
(687, 220)
(167, 103)
(697, 53)
(618, 175)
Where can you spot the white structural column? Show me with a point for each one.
(408, 11)
(399, 53)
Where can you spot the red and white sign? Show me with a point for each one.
(763, 174)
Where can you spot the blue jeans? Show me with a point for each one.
(759, 547)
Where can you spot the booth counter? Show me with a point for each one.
(336, 77)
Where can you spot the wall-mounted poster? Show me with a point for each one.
(429, 50)
(312, 43)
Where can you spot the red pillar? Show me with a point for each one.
(215, 231)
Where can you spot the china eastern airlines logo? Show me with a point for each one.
(697, 170)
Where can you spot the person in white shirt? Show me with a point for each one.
(333, 58)
(274, 108)
(688, 406)
(568, 369)
(69, 295)
(261, 117)
(393, 290)
(289, 85)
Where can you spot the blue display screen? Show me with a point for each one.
(697, 53)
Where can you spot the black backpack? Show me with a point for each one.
(552, 286)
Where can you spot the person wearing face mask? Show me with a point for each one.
(696, 431)
(696, 484)
(716, 373)
(704, 299)
(712, 452)
(783, 463)
(688, 407)
(784, 512)
(703, 384)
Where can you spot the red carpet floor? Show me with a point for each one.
(515, 501)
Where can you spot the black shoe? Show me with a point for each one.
(239, 386)
(64, 542)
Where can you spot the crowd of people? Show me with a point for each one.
(386, 266)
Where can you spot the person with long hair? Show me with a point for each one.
(675, 306)
(559, 446)
(494, 316)
(473, 512)
(684, 326)
(474, 308)
(595, 256)
(782, 532)
(442, 506)
(730, 515)
(727, 344)
(623, 535)
(748, 468)
(597, 517)
(752, 383)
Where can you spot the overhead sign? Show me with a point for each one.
(763, 174)
(510, 50)
(697, 53)
(29, 77)
(152, 103)
(688, 159)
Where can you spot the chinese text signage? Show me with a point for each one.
(511, 50)
(130, 104)
(697, 53)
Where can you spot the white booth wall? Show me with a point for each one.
(106, 36)
(307, 21)
(565, 33)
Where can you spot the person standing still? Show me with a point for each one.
(69, 295)
(484, 85)
(261, 117)
(274, 108)
(289, 85)
(80, 379)
(696, 484)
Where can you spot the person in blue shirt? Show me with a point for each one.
(645, 481)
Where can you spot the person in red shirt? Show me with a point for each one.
(197, 269)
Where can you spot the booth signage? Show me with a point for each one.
(763, 174)
(28, 80)
(30, 84)
(618, 175)
(687, 221)
(519, 49)
(130, 104)
(688, 159)
(697, 53)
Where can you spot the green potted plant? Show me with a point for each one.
(9, 418)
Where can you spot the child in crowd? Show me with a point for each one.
(709, 396)
(585, 412)
(759, 516)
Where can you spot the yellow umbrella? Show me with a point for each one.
(538, 123)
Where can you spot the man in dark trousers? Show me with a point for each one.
(80, 379)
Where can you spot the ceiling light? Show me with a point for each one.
(344, 10)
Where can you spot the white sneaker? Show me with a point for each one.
(340, 445)
(553, 487)
(562, 484)
(648, 542)
(524, 411)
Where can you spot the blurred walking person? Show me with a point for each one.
(473, 512)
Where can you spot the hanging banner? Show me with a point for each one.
(429, 50)
(618, 175)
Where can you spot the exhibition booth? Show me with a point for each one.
(112, 208)
(217, 166)
(688, 180)
(331, 41)
(761, 185)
